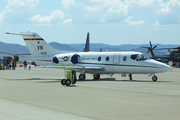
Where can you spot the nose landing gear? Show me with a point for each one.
(154, 78)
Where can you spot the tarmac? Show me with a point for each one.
(38, 94)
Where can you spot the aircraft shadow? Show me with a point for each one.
(114, 80)
(104, 79)
(39, 79)
(142, 81)
(42, 80)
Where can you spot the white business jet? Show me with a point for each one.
(95, 63)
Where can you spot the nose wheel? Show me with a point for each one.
(154, 78)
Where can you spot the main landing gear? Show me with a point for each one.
(83, 76)
(96, 76)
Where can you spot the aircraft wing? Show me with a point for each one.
(89, 68)
(95, 68)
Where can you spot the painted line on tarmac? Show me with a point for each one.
(148, 90)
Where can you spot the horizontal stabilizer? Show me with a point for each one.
(24, 34)
(16, 54)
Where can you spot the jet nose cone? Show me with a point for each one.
(167, 68)
(55, 60)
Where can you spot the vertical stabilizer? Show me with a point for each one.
(37, 45)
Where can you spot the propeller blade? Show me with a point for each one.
(169, 50)
(150, 44)
(165, 48)
(144, 47)
(154, 47)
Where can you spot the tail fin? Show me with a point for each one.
(37, 45)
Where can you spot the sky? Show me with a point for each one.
(113, 22)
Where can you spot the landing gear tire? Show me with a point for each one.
(154, 78)
(96, 76)
(68, 82)
(74, 77)
(82, 77)
(63, 82)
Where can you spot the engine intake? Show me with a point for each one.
(55, 60)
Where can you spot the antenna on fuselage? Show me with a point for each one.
(100, 49)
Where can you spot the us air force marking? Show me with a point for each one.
(65, 58)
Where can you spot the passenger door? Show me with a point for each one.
(116, 58)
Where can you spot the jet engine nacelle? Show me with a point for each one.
(74, 59)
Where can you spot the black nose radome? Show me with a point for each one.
(55, 60)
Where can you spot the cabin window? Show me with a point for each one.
(124, 58)
(134, 56)
(99, 58)
(107, 58)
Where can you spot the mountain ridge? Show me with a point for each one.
(19, 49)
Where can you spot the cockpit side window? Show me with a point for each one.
(142, 57)
(134, 56)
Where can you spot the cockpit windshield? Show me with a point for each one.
(134, 56)
(142, 57)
